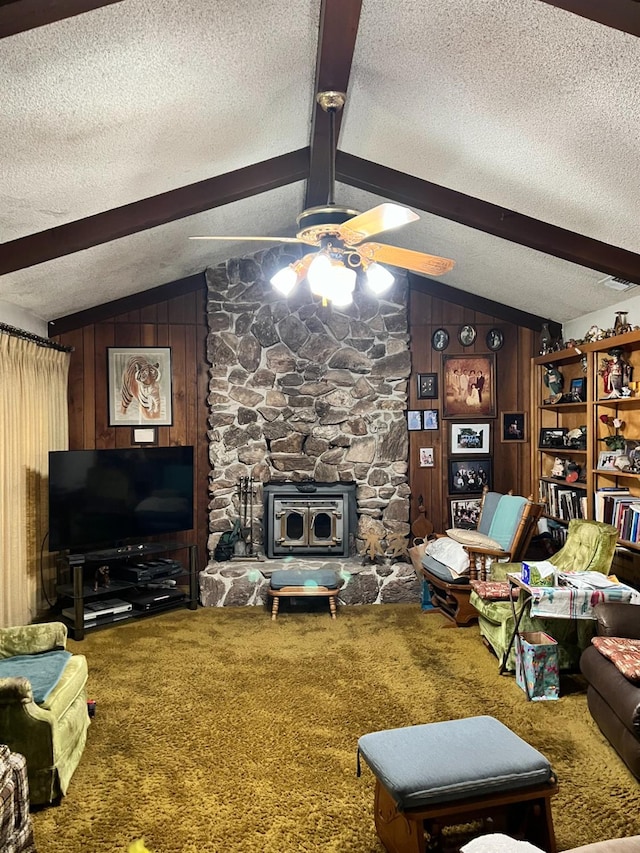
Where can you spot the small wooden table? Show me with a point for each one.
(302, 583)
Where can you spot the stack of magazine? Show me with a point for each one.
(585, 580)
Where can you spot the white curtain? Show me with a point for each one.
(33, 420)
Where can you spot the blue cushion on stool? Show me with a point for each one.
(304, 577)
(451, 760)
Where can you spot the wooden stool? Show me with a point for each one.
(453, 773)
(299, 583)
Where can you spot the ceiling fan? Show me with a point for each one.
(342, 236)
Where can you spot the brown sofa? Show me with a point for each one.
(614, 700)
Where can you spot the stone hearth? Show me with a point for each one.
(300, 391)
(237, 584)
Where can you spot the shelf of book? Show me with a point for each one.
(591, 362)
(562, 501)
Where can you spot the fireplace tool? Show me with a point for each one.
(240, 546)
(246, 494)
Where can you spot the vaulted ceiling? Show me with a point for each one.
(511, 126)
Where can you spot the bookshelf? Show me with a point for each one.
(602, 490)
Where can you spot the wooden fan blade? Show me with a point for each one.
(268, 239)
(397, 257)
(375, 220)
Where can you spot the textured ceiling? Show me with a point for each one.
(514, 102)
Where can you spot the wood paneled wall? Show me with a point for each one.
(179, 323)
(511, 462)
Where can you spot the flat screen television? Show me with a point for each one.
(105, 498)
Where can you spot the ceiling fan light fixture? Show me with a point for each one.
(339, 285)
(285, 280)
(378, 278)
(318, 273)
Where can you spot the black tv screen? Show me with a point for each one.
(103, 498)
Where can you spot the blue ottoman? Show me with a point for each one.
(303, 582)
(457, 772)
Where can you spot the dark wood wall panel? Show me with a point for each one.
(511, 462)
(179, 323)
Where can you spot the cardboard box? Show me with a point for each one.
(539, 574)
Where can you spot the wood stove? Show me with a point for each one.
(309, 518)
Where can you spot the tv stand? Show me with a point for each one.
(125, 552)
(82, 577)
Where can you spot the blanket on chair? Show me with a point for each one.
(43, 670)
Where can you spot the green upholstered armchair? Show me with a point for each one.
(50, 733)
(590, 546)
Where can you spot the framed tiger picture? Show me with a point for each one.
(139, 386)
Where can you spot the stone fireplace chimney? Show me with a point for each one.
(305, 392)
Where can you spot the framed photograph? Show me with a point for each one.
(139, 386)
(430, 419)
(578, 390)
(514, 426)
(607, 459)
(144, 435)
(467, 335)
(470, 438)
(495, 340)
(470, 386)
(414, 419)
(465, 513)
(552, 437)
(426, 457)
(427, 386)
(440, 340)
(467, 476)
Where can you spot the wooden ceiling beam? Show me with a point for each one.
(17, 16)
(623, 15)
(151, 212)
(487, 217)
(338, 29)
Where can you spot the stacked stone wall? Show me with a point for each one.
(301, 391)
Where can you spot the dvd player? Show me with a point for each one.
(147, 570)
(154, 599)
(111, 608)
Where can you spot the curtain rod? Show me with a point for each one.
(36, 339)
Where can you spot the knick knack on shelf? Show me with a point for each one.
(616, 374)
(554, 380)
(546, 341)
(621, 325)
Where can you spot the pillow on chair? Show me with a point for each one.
(472, 537)
(450, 553)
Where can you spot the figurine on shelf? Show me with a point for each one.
(595, 333)
(621, 325)
(546, 340)
(616, 374)
(558, 469)
(554, 380)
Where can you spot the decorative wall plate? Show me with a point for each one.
(495, 339)
(467, 335)
(440, 339)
